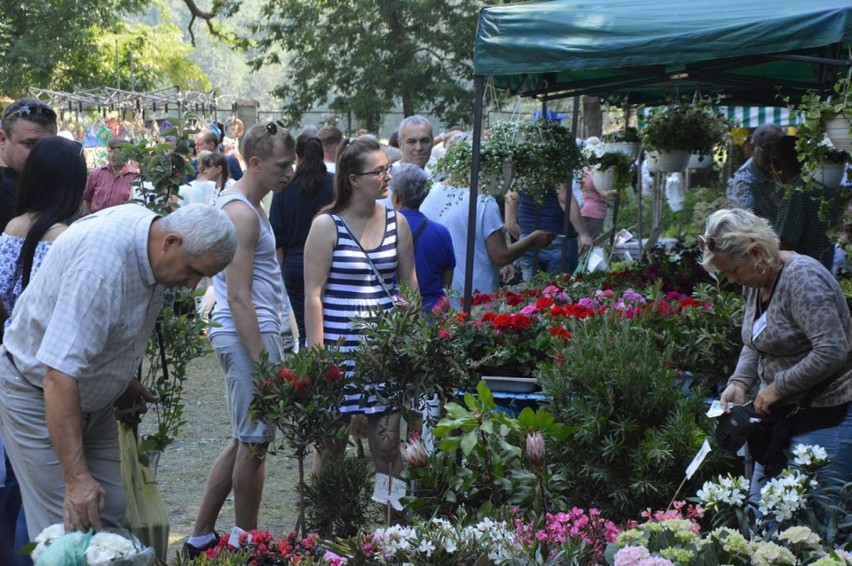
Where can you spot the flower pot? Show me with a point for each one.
(699, 161)
(630, 149)
(604, 180)
(830, 174)
(837, 130)
(671, 161)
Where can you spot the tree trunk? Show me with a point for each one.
(592, 117)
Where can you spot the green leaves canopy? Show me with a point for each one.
(362, 56)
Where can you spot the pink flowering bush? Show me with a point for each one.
(578, 534)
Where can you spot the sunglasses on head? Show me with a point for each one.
(31, 110)
(272, 127)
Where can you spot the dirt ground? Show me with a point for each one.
(185, 463)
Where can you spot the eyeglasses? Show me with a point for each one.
(31, 110)
(272, 127)
(380, 172)
(707, 243)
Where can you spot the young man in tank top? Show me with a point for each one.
(249, 299)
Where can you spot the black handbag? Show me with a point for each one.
(738, 425)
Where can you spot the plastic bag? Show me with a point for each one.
(67, 550)
(146, 513)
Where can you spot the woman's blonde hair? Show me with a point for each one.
(735, 232)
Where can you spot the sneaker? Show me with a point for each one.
(192, 552)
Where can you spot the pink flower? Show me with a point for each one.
(535, 449)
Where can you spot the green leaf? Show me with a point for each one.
(468, 442)
(485, 396)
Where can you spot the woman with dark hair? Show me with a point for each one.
(49, 195)
(214, 167)
(291, 214)
(357, 247)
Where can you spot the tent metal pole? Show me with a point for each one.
(479, 92)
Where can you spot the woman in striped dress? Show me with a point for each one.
(352, 233)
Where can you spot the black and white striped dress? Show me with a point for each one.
(353, 292)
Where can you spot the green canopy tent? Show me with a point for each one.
(746, 52)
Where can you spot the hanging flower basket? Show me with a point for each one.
(668, 161)
(837, 130)
(830, 174)
(604, 180)
(697, 161)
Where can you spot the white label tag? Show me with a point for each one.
(758, 326)
(234, 539)
(389, 490)
(696, 462)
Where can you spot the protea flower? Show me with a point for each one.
(413, 453)
(535, 449)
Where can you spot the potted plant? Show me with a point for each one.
(538, 156)
(611, 167)
(627, 141)
(831, 168)
(674, 132)
(827, 115)
(823, 142)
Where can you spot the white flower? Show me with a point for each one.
(769, 553)
(800, 535)
(426, 547)
(784, 495)
(45, 537)
(729, 490)
(807, 455)
(104, 548)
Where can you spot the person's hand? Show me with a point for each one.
(765, 399)
(541, 238)
(135, 396)
(734, 394)
(507, 273)
(586, 242)
(84, 501)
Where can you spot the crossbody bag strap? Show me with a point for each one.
(420, 230)
(378, 275)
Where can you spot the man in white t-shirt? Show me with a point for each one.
(450, 207)
(330, 137)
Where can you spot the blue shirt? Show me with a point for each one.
(552, 215)
(433, 255)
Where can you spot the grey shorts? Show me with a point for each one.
(239, 386)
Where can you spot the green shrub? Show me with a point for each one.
(339, 499)
(636, 429)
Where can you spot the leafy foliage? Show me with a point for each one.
(339, 499)
(361, 56)
(543, 154)
(81, 53)
(627, 135)
(302, 397)
(479, 465)
(404, 357)
(636, 429)
(693, 127)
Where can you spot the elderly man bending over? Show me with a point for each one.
(77, 335)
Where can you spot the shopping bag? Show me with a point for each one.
(146, 514)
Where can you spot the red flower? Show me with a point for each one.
(286, 374)
(560, 332)
(334, 374)
(513, 299)
(444, 334)
(543, 303)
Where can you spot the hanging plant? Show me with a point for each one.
(542, 155)
(696, 128)
(603, 158)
